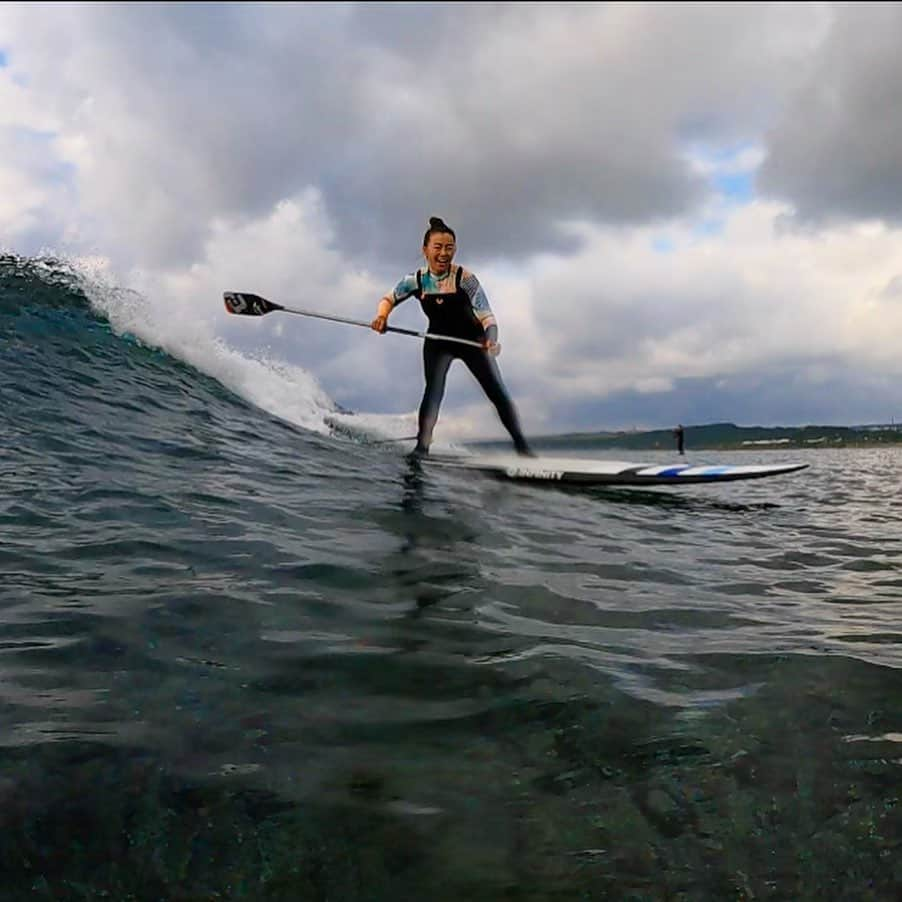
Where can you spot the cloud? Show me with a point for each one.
(505, 123)
(837, 152)
(35, 196)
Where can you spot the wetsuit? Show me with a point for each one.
(456, 306)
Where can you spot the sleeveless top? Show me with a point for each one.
(455, 303)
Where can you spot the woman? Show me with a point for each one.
(456, 305)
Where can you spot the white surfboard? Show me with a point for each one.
(607, 472)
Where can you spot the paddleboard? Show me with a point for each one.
(607, 472)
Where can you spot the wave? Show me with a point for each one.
(65, 325)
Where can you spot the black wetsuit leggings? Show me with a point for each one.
(437, 358)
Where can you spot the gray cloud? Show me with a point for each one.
(837, 151)
(506, 119)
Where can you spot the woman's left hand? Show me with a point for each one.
(493, 348)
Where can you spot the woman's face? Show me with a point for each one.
(439, 252)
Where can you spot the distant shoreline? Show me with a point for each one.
(725, 437)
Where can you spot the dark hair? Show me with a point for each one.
(437, 226)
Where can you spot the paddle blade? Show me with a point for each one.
(248, 304)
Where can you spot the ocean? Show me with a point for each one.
(246, 653)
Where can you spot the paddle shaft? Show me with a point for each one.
(357, 322)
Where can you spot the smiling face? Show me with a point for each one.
(439, 252)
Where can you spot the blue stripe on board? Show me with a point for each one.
(673, 471)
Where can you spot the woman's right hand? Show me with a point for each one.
(379, 324)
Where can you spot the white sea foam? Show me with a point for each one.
(287, 391)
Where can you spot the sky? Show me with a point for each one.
(678, 212)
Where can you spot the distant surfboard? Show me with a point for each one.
(608, 472)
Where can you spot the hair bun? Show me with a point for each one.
(437, 226)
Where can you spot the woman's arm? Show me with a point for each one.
(481, 310)
(401, 292)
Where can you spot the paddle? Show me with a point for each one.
(253, 305)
